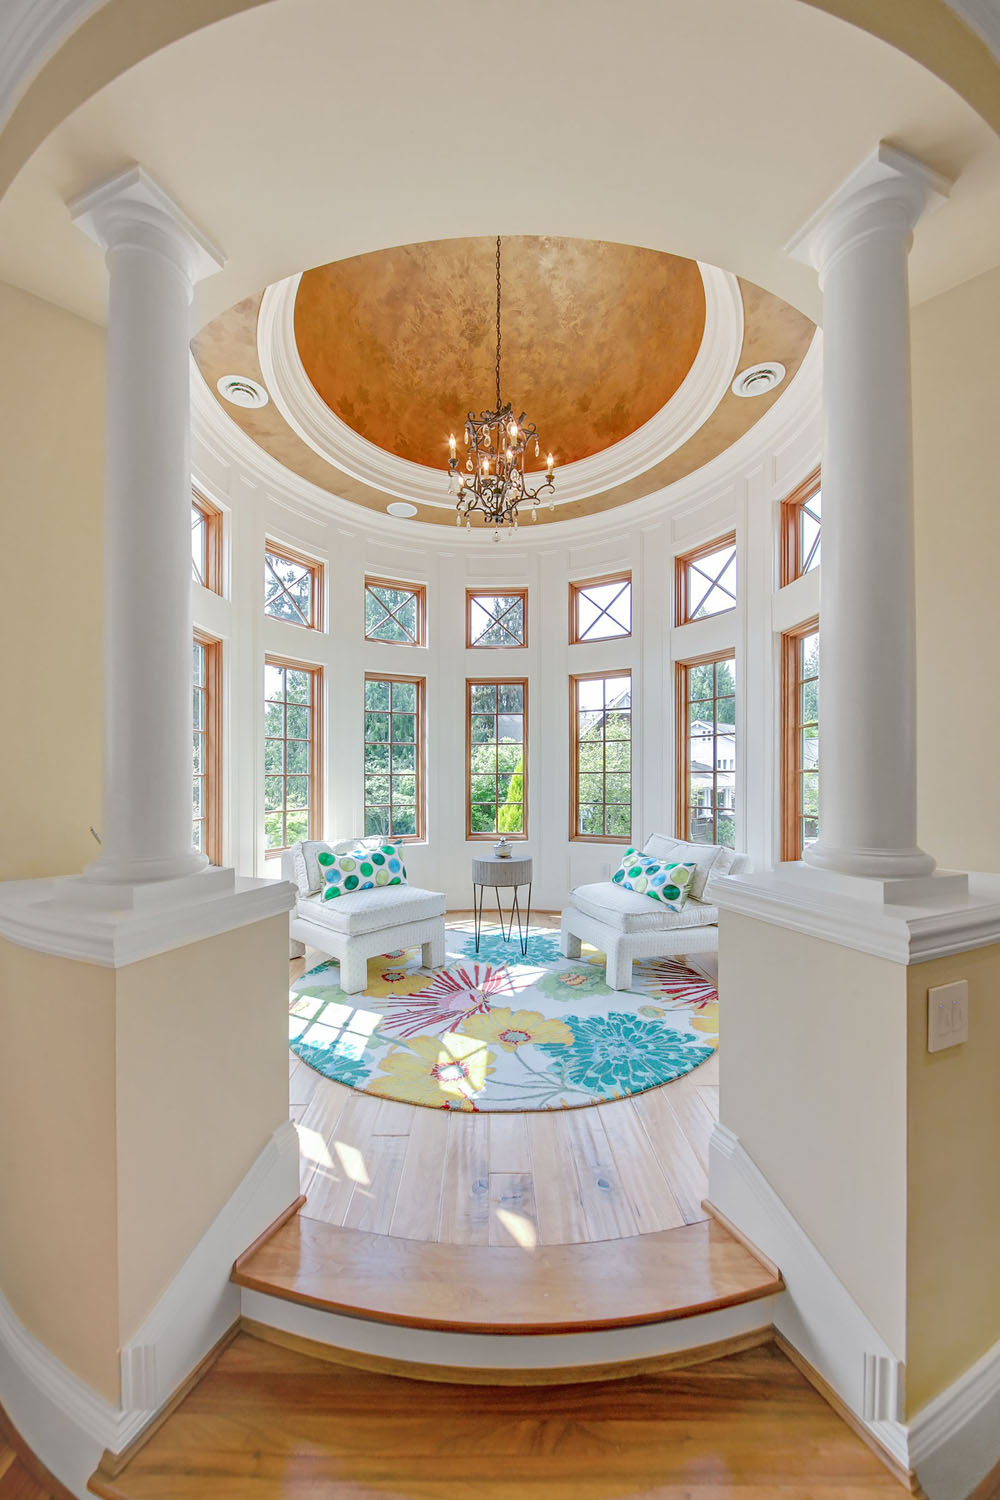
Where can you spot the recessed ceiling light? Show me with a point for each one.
(401, 508)
(759, 379)
(242, 391)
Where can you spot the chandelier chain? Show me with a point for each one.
(498, 322)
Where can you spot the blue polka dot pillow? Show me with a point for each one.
(361, 870)
(662, 881)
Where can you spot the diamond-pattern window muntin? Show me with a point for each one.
(395, 613)
(497, 621)
(600, 608)
(706, 580)
(291, 587)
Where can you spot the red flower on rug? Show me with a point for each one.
(454, 996)
(684, 986)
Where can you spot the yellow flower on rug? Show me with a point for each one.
(511, 1029)
(707, 1020)
(445, 1072)
(391, 977)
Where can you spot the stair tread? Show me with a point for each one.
(666, 1274)
(268, 1423)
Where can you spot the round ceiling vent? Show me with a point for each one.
(759, 379)
(242, 391)
(401, 508)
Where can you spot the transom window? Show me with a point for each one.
(206, 544)
(601, 756)
(395, 612)
(706, 750)
(706, 580)
(207, 747)
(496, 765)
(292, 781)
(394, 757)
(600, 609)
(497, 620)
(292, 587)
(801, 527)
(799, 739)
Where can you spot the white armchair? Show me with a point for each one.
(360, 924)
(626, 925)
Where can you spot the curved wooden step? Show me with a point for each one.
(504, 1289)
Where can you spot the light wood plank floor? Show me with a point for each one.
(553, 1177)
(268, 1423)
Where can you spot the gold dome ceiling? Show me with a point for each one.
(401, 344)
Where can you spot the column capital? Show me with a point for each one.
(889, 189)
(131, 208)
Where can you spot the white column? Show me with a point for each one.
(859, 242)
(154, 257)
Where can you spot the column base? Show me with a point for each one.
(113, 925)
(878, 864)
(108, 869)
(884, 890)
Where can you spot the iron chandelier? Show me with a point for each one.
(494, 481)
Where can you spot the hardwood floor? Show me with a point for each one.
(554, 1177)
(22, 1476)
(268, 1423)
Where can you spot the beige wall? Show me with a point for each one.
(202, 1084)
(812, 1080)
(956, 385)
(57, 1160)
(953, 1128)
(51, 455)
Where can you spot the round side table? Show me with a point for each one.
(488, 870)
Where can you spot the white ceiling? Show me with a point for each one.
(304, 130)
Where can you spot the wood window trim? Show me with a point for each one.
(421, 775)
(212, 516)
(498, 593)
(578, 586)
(790, 550)
(212, 775)
(317, 572)
(791, 745)
(574, 785)
(315, 741)
(419, 590)
(483, 681)
(682, 593)
(682, 669)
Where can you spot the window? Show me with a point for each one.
(801, 524)
(706, 580)
(706, 750)
(496, 737)
(600, 609)
(207, 724)
(601, 756)
(394, 757)
(292, 779)
(206, 544)
(395, 612)
(293, 587)
(799, 739)
(497, 620)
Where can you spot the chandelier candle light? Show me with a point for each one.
(494, 480)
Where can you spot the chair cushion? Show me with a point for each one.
(311, 850)
(703, 856)
(370, 911)
(627, 911)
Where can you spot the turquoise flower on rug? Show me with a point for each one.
(575, 980)
(543, 948)
(623, 1054)
(341, 1067)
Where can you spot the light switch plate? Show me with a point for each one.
(947, 1015)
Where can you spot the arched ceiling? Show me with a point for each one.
(596, 338)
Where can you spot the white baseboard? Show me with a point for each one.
(66, 1423)
(955, 1440)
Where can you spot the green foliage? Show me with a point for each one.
(714, 680)
(510, 818)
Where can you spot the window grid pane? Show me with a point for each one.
(710, 751)
(289, 729)
(496, 785)
(200, 749)
(602, 773)
(807, 736)
(393, 757)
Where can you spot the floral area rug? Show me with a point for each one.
(495, 1031)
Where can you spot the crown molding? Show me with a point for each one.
(31, 31)
(796, 415)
